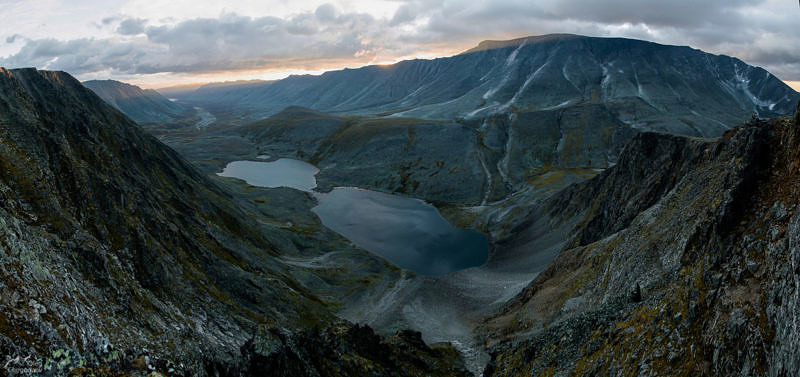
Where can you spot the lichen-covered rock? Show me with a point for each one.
(344, 349)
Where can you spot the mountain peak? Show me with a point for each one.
(495, 44)
(28, 73)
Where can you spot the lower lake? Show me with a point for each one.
(409, 233)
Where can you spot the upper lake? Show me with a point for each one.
(284, 172)
(409, 233)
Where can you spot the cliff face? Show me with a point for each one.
(681, 260)
(115, 252)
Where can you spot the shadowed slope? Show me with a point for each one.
(113, 247)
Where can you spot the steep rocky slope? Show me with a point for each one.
(465, 162)
(394, 155)
(646, 85)
(679, 260)
(143, 106)
(116, 255)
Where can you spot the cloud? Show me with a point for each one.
(109, 20)
(227, 43)
(131, 26)
(13, 38)
(333, 35)
(655, 13)
(404, 14)
(326, 12)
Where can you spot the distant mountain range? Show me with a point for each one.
(645, 85)
(141, 105)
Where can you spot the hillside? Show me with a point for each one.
(118, 256)
(143, 106)
(464, 162)
(679, 260)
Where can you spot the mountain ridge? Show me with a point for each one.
(648, 85)
(141, 105)
(491, 44)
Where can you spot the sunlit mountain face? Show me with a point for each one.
(399, 188)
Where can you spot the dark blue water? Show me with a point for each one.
(407, 232)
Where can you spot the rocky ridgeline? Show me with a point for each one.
(117, 257)
(683, 260)
(143, 106)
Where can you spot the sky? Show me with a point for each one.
(157, 43)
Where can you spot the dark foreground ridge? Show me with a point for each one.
(118, 258)
(683, 261)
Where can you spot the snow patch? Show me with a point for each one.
(524, 86)
(566, 75)
(477, 111)
(502, 165)
(741, 84)
(605, 81)
(560, 105)
(513, 56)
(494, 90)
(488, 178)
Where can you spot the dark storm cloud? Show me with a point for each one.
(759, 31)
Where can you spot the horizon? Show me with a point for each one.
(161, 43)
(792, 84)
(795, 85)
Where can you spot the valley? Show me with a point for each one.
(550, 205)
(495, 173)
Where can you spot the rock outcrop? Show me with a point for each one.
(681, 260)
(348, 350)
